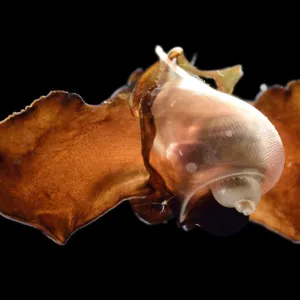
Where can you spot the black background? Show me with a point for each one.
(92, 52)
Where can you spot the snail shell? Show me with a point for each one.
(207, 140)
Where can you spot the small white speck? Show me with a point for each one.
(228, 133)
(263, 87)
(289, 164)
(180, 152)
(172, 104)
(170, 150)
(191, 167)
(221, 74)
(199, 225)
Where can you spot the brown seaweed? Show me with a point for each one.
(65, 163)
(279, 209)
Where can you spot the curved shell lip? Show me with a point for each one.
(191, 193)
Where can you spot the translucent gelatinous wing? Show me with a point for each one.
(64, 163)
(279, 209)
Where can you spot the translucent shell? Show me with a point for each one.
(207, 140)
